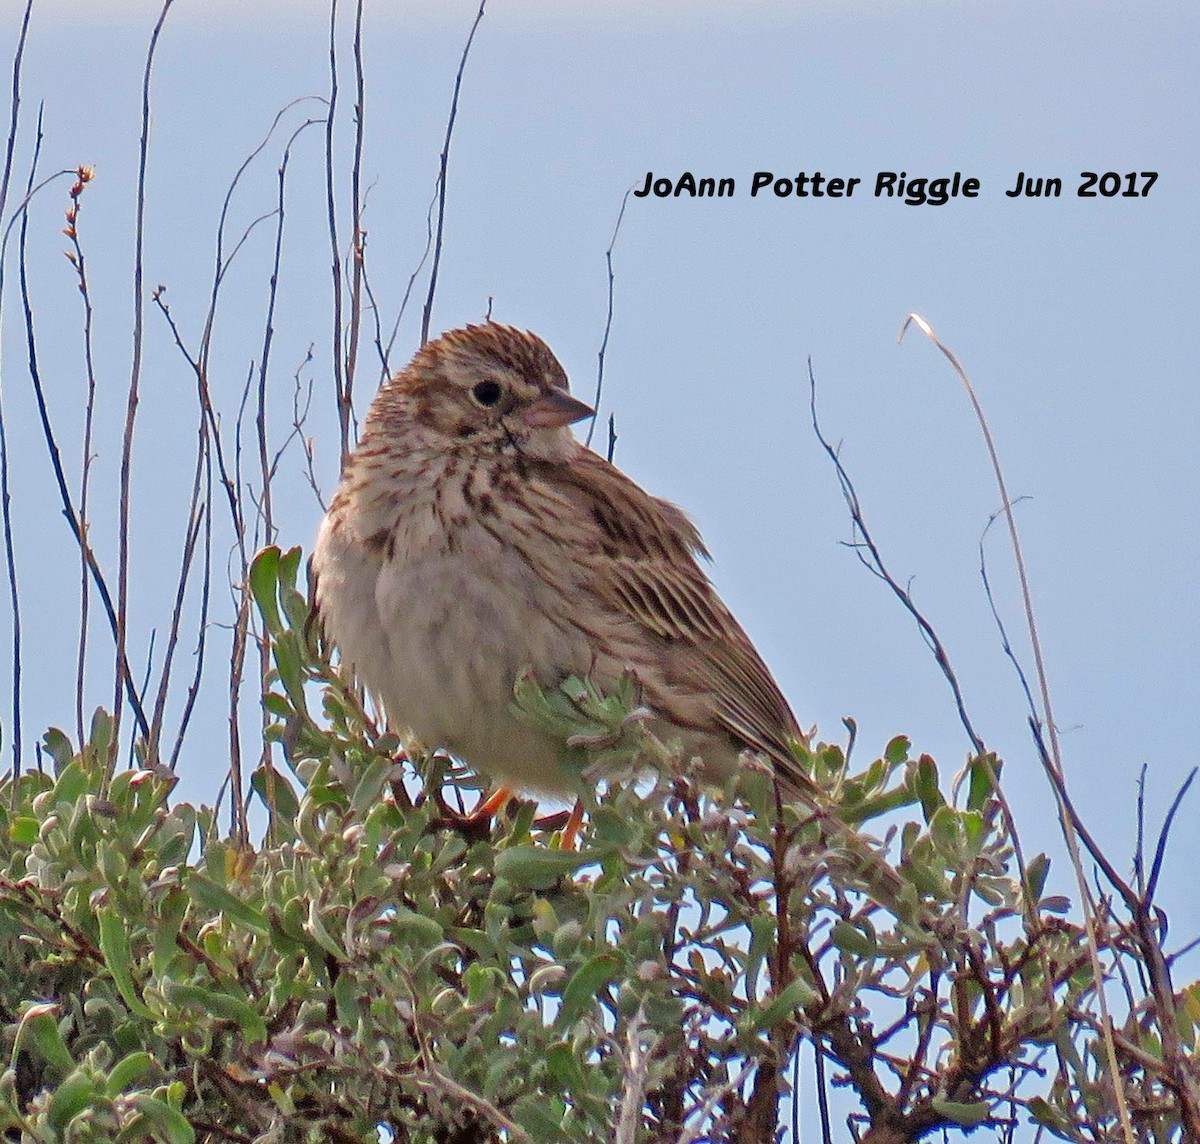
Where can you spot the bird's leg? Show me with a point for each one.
(492, 805)
(569, 824)
(571, 830)
(477, 824)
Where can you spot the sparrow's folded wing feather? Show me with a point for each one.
(643, 567)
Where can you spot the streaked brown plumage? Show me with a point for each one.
(473, 537)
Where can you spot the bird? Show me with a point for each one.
(473, 538)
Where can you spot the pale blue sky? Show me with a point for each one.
(1074, 316)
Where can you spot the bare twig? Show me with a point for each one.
(872, 559)
(14, 594)
(427, 314)
(608, 262)
(5, 500)
(436, 1080)
(1046, 715)
(15, 107)
(196, 515)
(205, 596)
(131, 404)
(1160, 849)
(385, 352)
(339, 383)
(77, 258)
(635, 1059)
(55, 454)
(356, 241)
(701, 1117)
(265, 469)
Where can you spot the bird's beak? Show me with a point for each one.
(555, 408)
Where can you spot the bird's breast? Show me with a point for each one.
(438, 613)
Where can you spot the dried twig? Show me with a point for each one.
(5, 501)
(56, 463)
(1046, 717)
(131, 404)
(77, 259)
(346, 411)
(339, 383)
(608, 262)
(385, 352)
(427, 313)
(868, 553)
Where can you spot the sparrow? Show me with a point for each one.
(472, 539)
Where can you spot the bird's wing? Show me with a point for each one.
(644, 568)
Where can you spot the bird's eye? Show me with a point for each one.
(486, 392)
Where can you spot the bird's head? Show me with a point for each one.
(491, 386)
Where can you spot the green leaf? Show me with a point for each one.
(127, 1070)
(40, 1029)
(276, 793)
(1049, 1116)
(213, 897)
(114, 944)
(965, 1115)
(564, 1066)
(975, 828)
(540, 1116)
(875, 807)
(100, 734)
(852, 940)
(897, 750)
(762, 943)
(24, 831)
(537, 868)
(264, 581)
(72, 783)
(923, 778)
(1036, 872)
(69, 1099)
(170, 1121)
(593, 975)
(289, 660)
(797, 994)
(416, 929)
(980, 789)
(946, 832)
(370, 785)
(58, 747)
(219, 1004)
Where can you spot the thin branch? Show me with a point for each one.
(385, 352)
(77, 259)
(704, 1114)
(875, 564)
(608, 262)
(268, 336)
(48, 435)
(634, 1064)
(5, 499)
(15, 108)
(1005, 643)
(427, 314)
(1139, 846)
(131, 405)
(1047, 716)
(436, 1080)
(196, 514)
(1160, 850)
(205, 596)
(339, 384)
(357, 238)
